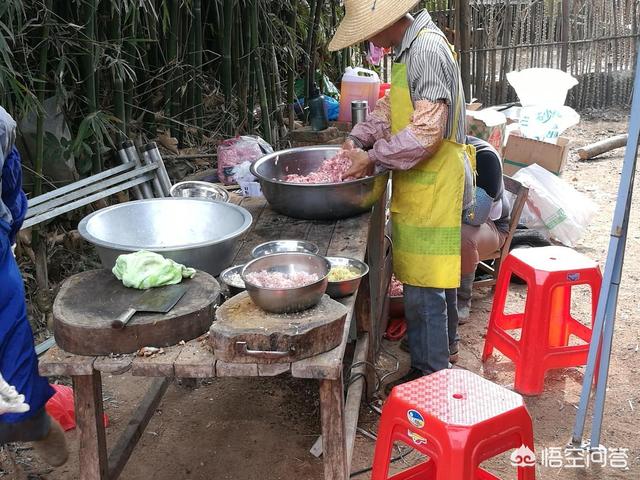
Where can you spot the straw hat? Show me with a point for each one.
(365, 18)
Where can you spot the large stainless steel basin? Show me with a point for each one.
(325, 201)
(198, 233)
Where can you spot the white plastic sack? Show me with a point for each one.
(554, 207)
(546, 123)
(541, 86)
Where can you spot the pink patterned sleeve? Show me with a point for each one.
(419, 141)
(377, 126)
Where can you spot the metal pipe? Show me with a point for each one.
(130, 148)
(157, 187)
(152, 149)
(603, 328)
(124, 158)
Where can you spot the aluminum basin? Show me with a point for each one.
(195, 232)
(326, 201)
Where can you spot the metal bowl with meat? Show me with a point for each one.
(286, 282)
(280, 175)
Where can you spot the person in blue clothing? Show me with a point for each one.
(23, 392)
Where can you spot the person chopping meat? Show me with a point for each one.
(23, 393)
(418, 131)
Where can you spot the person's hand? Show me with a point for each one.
(348, 144)
(10, 400)
(361, 166)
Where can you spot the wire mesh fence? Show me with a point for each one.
(594, 40)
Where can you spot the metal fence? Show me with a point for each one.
(595, 40)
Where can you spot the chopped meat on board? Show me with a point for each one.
(266, 279)
(331, 171)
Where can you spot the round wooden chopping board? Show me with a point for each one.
(244, 333)
(89, 301)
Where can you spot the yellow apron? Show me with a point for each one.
(426, 204)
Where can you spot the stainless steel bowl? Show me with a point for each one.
(284, 246)
(288, 300)
(195, 232)
(196, 189)
(226, 279)
(327, 201)
(345, 288)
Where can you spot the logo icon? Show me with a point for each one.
(415, 418)
(523, 457)
(573, 277)
(417, 439)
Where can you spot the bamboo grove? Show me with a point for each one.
(196, 69)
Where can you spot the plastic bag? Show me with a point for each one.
(542, 86)
(333, 108)
(235, 151)
(553, 207)
(547, 123)
(327, 86)
(61, 408)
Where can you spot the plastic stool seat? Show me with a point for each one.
(458, 398)
(547, 325)
(456, 418)
(553, 259)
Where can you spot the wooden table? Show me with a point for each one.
(353, 237)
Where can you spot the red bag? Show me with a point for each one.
(61, 408)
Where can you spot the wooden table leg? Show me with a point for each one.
(90, 424)
(375, 257)
(334, 444)
(364, 323)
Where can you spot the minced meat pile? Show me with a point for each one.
(331, 171)
(266, 279)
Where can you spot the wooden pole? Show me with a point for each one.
(504, 58)
(464, 27)
(566, 26)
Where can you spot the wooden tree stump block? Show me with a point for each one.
(244, 333)
(89, 301)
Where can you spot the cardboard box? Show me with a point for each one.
(521, 152)
(489, 125)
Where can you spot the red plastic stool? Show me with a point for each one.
(458, 420)
(546, 325)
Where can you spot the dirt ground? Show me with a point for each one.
(263, 428)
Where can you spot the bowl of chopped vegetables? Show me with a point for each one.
(286, 282)
(232, 278)
(345, 276)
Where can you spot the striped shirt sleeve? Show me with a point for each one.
(430, 69)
